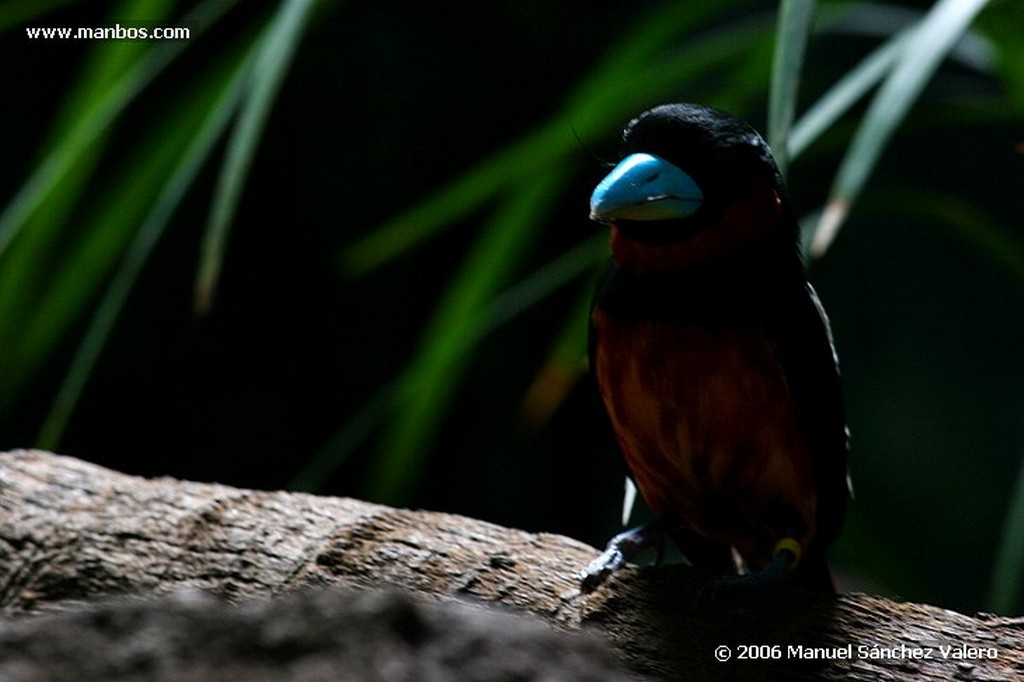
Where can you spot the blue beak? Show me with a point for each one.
(645, 187)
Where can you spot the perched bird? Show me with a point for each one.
(714, 357)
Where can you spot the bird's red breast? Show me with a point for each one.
(706, 422)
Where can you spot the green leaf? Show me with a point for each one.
(925, 49)
(1008, 570)
(1002, 22)
(505, 306)
(571, 265)
(17, 13)
(99, 102)
(222, 92)
(601, 103)
(34, 225)
(357, 430)
(427, 386)
(846, 92)
(454, 201)
(566, 362)
(279, 44)
(790, 42)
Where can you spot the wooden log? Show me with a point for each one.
(72, 533)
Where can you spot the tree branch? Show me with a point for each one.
(72, 532)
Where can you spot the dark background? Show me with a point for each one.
(387, 100)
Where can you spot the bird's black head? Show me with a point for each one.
(683, 166)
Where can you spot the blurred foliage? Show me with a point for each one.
(282, 142)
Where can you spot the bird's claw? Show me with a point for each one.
(620, 549)
(611, 560)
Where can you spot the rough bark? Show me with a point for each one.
(306, 636)
(72, 533)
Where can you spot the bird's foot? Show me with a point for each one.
(619, 550)
(775, 574)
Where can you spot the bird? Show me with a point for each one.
(714, 357)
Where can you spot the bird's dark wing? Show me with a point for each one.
(804, 344)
